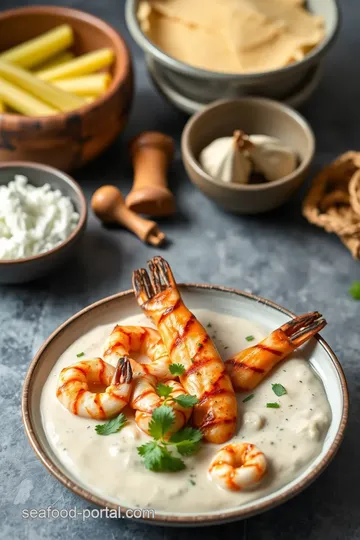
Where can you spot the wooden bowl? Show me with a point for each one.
(67, 140)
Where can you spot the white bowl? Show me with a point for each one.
(220, 299)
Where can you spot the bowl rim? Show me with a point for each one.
(52, 121)
(79, 193)
(147, 45)
(178, 520)
(189, 156)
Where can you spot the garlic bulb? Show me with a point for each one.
(225, 159)
(270, 157)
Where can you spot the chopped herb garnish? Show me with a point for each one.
(199, 345)
(248, 398)
(80, 354)
(355, 290)
(112, 426)
(163, 390)
(184, 400)
(157, 454)
(192, 482)
(177, 369)
(209, 325)
(273, 405)
(279, 389)
(249, 338)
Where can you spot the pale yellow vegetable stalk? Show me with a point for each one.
(48, 93)
(87, 85)
(37, 50)
(23, 102)
(54, 61)
(82, 65)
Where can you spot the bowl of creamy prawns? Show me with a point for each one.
(214, 399)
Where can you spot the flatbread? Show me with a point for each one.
(239, 36)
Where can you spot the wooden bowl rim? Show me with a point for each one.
(120, 50)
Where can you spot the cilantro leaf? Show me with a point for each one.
(177, 369)
(152, 454)
(80, 354)
(161, 421)
(250, 396)
(112, 426)
(170, 463)
(157, 458)
(273, 405)
(249, 338)
(163, 390)
(355, 290)
(279, 389)
(186, 401)
(187, 440)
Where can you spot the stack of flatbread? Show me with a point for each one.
(234, 36)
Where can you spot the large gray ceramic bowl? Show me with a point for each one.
(199, 86)
(30, 268)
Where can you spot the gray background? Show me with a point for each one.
(277, 255)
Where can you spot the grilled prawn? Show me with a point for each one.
(145, 398)
(249, 367)
(73, 388)
(188, 343)
(125, 340)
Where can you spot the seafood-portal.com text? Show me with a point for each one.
(87, 513)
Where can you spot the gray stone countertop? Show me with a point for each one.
(278, 256)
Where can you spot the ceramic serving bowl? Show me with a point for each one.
(67, 140)
(252, 115)
(223, 300)
(183, 84)
(30, 268)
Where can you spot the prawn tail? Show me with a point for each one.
(302, 328)
(161, 278)
(123, 373)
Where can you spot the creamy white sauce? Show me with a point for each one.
(291, 436)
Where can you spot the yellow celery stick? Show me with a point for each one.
(48, 93)
(23, 102)
(82, 65)
(37, 50)
(87, 85)
(56, 60)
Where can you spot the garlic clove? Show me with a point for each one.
(271, 157)
(225, 159)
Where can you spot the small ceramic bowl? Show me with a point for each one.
(195, 85)
(30, 268)
(252, 115)
(67, 140)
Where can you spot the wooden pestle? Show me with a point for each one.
(109, 206)
(151, 153)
